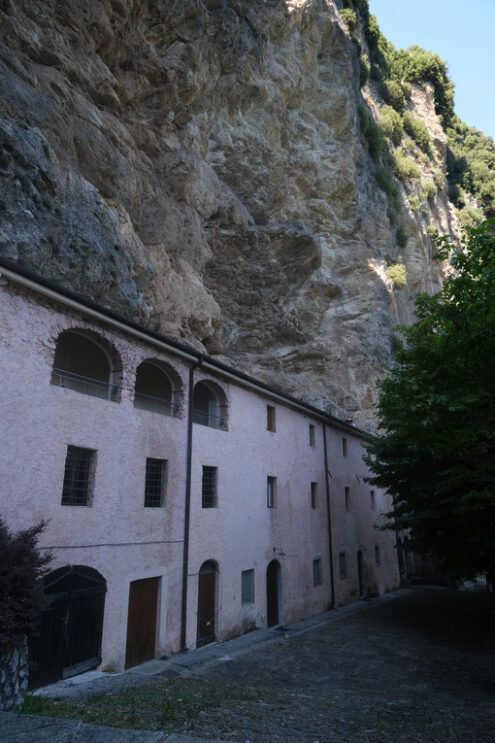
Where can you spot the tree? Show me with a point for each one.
(435, 452)
(21, 591)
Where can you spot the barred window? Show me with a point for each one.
(317, 572)
(347, 498)
(342, 565)
(247, 587)
(79, 468)
(312, 435)
(271, 421)
(344, 447)
(372, 500)
(314, 492)
(209, 488)
(270, 491)
(155, 482)
(377, 555)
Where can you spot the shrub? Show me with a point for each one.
(385, 181)
(415, 202)
(391, 124)
(349, 18)
(470, 216)
(418, 131)
(372, 133)
(429, 189)
(364, 70)
(392, 93)
(404, 167)
(438, 179)
(397, 275)
(431, 231)
(406, 88)
(401, 236)
(21, 592)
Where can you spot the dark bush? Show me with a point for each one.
(21, 591)
(418, 131)
(372, 133)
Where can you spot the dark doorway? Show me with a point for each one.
(206, 603)
(363, 590)
(69, 638)
(273, 593)
(141, 621)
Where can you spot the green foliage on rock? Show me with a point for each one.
(391, 124)
(392, 93)
(429, 189)
(364, 70)
(417, 131)
(372, 133)
(397, 275)
(404, 167)
(471, 166)
(401, 236)
(436, 450)
(349, 18)
(21, 593)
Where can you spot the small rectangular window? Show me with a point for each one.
(342, 566)
(271, 422)
(347, 497)
(312, 441)
(314, 491)
(317, 572)
(78, 476)
(155, 482)
(247, 587)
(377, 555)
(270, 491)
(209, 488)
(372, 500)
(344, 447)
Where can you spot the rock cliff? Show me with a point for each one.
(199, 166)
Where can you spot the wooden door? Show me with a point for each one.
(272, 593)
(206, 603)
(141, 621)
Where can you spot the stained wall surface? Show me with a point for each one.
(126, 541)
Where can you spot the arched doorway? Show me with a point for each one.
(273, 593)
(69, 638)
(206, 603)
(363, 590)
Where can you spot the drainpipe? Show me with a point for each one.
(187, 507)
(329, 518)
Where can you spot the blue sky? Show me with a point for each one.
(462, 33)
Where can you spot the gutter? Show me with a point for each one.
(329, 519)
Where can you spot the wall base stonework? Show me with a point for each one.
(13, 677)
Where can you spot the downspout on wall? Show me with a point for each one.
(187, 509)
(329, 518)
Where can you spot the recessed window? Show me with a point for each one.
(342, 566)
(209, 488)
(271, 421)
(209, 405)
(314, 494)
(312, 437)
(377, 555)
(344, 447)
(247, 587)
(372, 500)
(155, 482)
(81, 364)
(78, 476)
(317, 572)
(347, 498)
(153, 390)
(270, 491)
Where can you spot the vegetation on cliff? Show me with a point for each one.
(436, 451)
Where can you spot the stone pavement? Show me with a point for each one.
(411, 667)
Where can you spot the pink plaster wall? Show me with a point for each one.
(125, 541)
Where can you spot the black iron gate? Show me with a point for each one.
(69, 638)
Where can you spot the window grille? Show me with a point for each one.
(372, 500)
(270, 491)
(154, 484)
(271, 422)
(209, 488)
(247, 587)
(347, 497)
(377, 555)
(314, 490)
(317, 572)
(77, 476)
(312, 435)
(342, 565)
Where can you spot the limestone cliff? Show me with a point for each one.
(198, 165)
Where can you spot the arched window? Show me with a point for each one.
(209, 405)
(83, 365)
(153, 390)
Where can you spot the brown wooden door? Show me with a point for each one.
(206, 603)
(141, 621)
(272, 593)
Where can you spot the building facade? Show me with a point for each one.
(185, 502)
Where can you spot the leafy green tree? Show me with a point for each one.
(435, 452)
